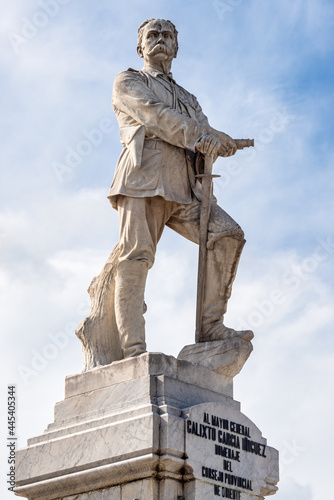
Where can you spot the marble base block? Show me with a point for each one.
(147, 428)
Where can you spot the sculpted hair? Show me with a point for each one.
(141, 30)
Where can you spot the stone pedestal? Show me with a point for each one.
(148, 428)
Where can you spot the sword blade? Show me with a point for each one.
(203, 237)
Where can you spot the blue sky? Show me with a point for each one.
(259, 68)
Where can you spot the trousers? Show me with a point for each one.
(141, 223)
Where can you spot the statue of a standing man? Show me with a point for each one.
(165, 134)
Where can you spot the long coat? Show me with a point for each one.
(160, 124)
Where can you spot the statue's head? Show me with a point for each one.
(157, 38)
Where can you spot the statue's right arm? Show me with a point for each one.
(132, 96)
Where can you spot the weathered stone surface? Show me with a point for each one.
(105, 494)
(226, 450)
(164, 489)
(98, 332)
(140, 366)
(134, 443)
(222, 356)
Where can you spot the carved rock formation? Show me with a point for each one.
(98, 332)
(226, 357)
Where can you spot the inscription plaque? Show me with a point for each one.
(228, 455)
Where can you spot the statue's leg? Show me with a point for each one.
(141, 222)
(225, 243)
(129, 306)
(221, 268)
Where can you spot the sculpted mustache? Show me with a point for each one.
(158, 48)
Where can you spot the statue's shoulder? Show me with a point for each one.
(129, 74)
(127, 78)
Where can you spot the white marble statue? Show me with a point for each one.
(165, 135)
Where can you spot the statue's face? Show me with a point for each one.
(158, 42)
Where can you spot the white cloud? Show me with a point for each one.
(295, 490)
(263, 58)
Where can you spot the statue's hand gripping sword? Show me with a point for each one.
(207, 177)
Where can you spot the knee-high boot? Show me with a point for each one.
(129, 306)
(221, 268)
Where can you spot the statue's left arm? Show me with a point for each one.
(214, 143)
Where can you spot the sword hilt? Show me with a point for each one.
(244, 143)
(208, 175)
